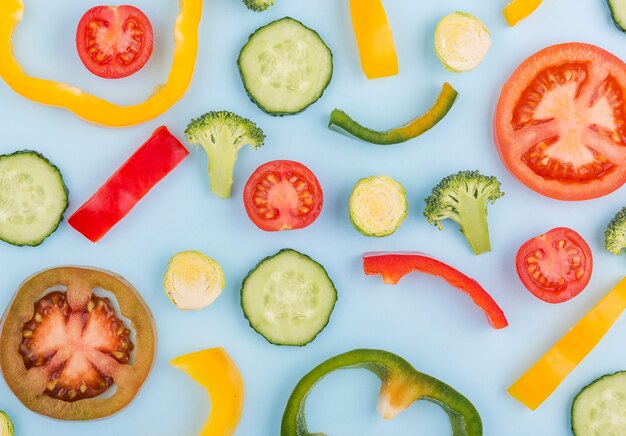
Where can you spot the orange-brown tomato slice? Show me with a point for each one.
(283, 195)
(560, 122)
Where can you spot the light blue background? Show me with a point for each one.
(422, 319)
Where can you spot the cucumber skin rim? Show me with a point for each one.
(248, 92)
(253, 270)
(67, 195)
(614, 18)
(623, 372)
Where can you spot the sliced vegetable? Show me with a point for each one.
(283, 195)
(461, 41)
(463, 197)
(222, 134)
(6, 425)
(560, 123)
(60, 351)
(615, 233)
(378, 206)
(374, 38)
(341, 122)
(555, 266)
(114, 41)
(618, 13)
(214, 370)
(193, 280)
(90, 107)
(154, 160)
(517, 10)
(393, 266)
(401, 386)
(547, 373)
(285, 67)
(598, 409)
(33, 198)
(258, 5)
(288, 298)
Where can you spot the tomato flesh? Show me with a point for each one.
(72, 345)
(560, 125)
(283, 195)
(114, 41)
(555, 266)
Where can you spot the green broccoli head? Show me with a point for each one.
(615, 233)
(463, 197)
(222, 134)
(258, 5)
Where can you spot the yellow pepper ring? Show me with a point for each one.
(90, 107)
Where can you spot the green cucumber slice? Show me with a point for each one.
(33, 198)
(600, 408)
(288, 298)
(285, 67)
(618, 13)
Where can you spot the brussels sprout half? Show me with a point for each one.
(461, 41)
(6, 426)
(193, 280)
(378, 206)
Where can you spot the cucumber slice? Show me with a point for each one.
(285, 67)
(33, 198)
(600, 408)
(618, 13)
(288, 298)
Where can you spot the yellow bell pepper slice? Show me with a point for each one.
(374, 38)
(517, 10)
(214, 370)
(90, 107)
(546, 375)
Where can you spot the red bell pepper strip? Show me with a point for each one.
(394, 266)
(141, 172)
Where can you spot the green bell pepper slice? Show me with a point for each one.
(401, 386)
(342, 122)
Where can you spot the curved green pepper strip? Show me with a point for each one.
(341, 121)
(401, 385)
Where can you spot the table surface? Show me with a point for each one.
(433, 326)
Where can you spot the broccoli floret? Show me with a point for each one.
(615, 233)
(222, 135)
(258, 5)
(463, 198)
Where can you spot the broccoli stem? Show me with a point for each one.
(222, 157)
(474, 223)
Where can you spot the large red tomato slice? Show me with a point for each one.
(555, 266)
(114, 41)
(560, 122)
(283, 195)
(63, 345)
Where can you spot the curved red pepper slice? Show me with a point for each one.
(394, 266)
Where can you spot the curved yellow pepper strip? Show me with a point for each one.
(547, 374)
(90, 107)
(214, 370)
(517, 10)
(374, 38)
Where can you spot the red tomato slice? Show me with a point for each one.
(555, 266)
(114, 41)
(560, 122)
(283, 195)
